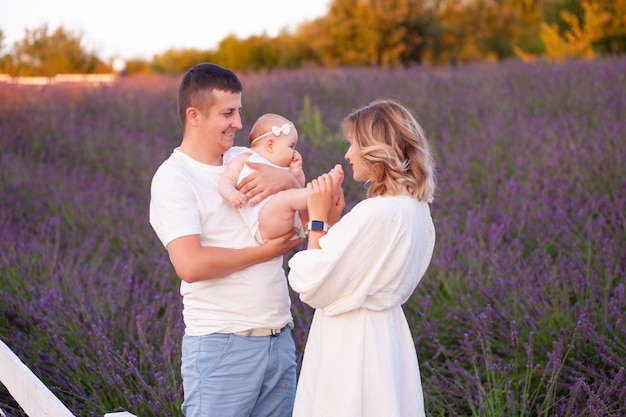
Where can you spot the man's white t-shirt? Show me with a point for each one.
(185, 201)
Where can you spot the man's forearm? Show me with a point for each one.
(208, 262)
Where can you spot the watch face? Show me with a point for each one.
(317, 225)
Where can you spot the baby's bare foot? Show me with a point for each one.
(337, 175)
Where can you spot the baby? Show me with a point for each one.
(273, 140)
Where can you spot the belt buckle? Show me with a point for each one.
(275, 332)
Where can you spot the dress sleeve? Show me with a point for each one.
(361, 262)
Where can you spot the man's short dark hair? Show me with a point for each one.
(200, 78)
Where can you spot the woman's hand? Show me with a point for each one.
(336, 208)
(325, 196)
(319, 197)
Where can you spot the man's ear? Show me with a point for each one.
(193, 115)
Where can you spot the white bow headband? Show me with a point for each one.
(276, 131)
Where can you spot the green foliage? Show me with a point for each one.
(177, 61)
(381, 33)
(311, 126)
(46, 54)
(322, 147)
(579, 38)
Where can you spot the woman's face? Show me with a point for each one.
(353, 156)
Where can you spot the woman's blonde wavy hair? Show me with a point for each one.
(394, 150)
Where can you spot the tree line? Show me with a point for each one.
(382, 33)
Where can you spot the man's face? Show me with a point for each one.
(223, 120)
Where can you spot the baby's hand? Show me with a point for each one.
(296, 162)
(237, 199)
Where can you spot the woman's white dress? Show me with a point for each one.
(360, 358)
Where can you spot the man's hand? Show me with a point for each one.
(265, 181)
(282, 244)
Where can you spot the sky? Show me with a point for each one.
(131, 29)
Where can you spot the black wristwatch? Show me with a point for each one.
(317, 226)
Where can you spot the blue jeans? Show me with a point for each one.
(228, 375)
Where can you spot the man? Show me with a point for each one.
(238, 355)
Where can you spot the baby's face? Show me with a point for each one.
(284, 147)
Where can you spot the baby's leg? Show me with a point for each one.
(277, 216)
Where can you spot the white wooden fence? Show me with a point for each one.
(35, 399)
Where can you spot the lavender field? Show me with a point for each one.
(521, 313)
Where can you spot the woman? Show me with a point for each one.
(360, 357)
